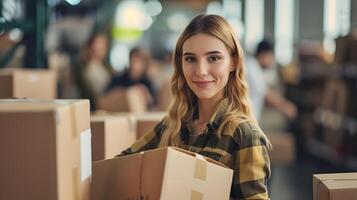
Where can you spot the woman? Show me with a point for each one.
(136, 75)
(210, 112)
(94, 72)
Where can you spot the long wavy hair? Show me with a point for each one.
(184, 102)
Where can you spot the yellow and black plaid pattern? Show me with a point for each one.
(245, 151)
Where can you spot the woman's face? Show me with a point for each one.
(206, 64)
(99, 47)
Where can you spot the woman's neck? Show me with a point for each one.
(206, 107)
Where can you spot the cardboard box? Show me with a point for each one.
(340, 186)
(21, 83)
(142, 122)
(145, 122)
(165, 173)
(284, 148)
(45, 150)
(111, 135)
(123, 100)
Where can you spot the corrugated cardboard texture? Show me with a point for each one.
(20, 83)
(340, 186)
(40, 154)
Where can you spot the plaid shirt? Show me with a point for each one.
(245, 151)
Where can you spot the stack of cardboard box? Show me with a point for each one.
(45, 149)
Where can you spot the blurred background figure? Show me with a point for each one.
(259, 88)
(94, 72)
(135, 75)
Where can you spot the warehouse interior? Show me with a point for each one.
(314, 43)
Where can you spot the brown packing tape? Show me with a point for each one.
(196, 195)
(200, 169)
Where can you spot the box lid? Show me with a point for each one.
(13, 105)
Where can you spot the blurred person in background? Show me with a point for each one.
(136, 75)
(65, 37)
(210, 112)
(259, 89)
(94, 72)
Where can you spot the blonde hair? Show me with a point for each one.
(184, 102)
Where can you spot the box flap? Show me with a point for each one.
(106, 173)
(336, 176)
(340, 184)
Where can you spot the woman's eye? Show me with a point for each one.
(189, 59)
(213, 58)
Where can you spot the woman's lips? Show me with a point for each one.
(203, 84)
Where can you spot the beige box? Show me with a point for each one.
(111, 134)
(165, 173)
(145, 122)
(339, 186)
(45, 150)
(131, 99)
(21, 83)
(284, 148)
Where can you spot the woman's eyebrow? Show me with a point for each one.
(208, 53)
(213, 52)
(188, 54)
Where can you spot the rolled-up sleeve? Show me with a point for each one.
(149, 141)
(251, 166)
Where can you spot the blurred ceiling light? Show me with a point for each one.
(177, 21)
(214, 7)
(74, 2)
(15, 34)
(132, 14)
(153, 7)
(146, 23)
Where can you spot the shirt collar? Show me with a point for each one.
(215, 119)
